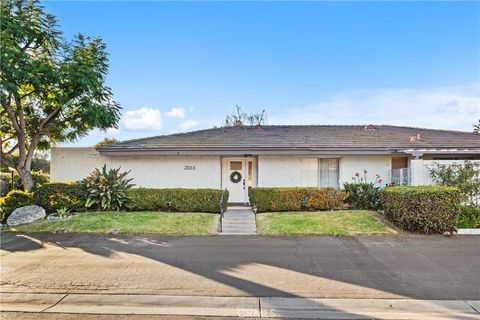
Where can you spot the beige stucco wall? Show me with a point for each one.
(302, 171)
(71, 164)
(349, 165)
(287, 171)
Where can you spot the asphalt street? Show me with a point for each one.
(411, 266)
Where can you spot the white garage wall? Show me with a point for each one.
(71, 164)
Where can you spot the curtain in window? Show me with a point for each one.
(329, 173)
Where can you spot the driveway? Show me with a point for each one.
(418, 267)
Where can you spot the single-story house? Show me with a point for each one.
(236, 158)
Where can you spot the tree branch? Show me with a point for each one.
(12, 117)
(27, 94)
(51, 116)
(6, 161)
(21, 134)
(9, 153)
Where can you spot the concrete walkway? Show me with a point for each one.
(239, 220)
(240, 306)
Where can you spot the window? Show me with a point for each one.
(235, 165)
(329, 173)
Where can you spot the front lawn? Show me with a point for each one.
(159, 223)
(334, 223)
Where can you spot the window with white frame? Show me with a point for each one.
(329, 173)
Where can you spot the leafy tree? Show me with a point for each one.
(240, 118)
(476, 128)
(51, 90)
(106, 142)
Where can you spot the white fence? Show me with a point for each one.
(419, 173)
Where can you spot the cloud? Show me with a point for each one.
(187, 125)
(438, 107)
(176, 113)
(143, 119)
(112, 132)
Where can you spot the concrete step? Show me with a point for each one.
(242, 232)
(243, 215)
(239, 217)
(238, 230)
(239, 220)
(246, 227)
(230, 225)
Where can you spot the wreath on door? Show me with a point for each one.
(236, 177)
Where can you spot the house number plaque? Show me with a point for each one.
(189, 168)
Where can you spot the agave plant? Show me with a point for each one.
(63, 212)
(106, 189)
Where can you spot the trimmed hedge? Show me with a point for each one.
(13, 200)
(427, 209)
(181, 200)
(57, 195)
(296, 199)
(39, 178)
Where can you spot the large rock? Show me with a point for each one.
(26, 214)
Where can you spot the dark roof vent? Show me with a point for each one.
(371, 128)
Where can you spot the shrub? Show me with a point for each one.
(106, 190)
(56, 195)
(39, 179)
(13, 200)
(362, 194)
(426, 209)
(466, 177)
(296, 199)
(182, 200)
(469, 217)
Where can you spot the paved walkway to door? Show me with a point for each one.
(239, 220)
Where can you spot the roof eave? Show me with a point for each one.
(239, 151)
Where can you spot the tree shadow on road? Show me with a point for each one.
(393, 267)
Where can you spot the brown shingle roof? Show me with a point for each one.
(311, 137)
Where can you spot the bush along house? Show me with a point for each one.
(239, 158)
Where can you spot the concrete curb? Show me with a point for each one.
(469, 231)
(240, 306)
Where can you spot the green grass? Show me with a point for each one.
(334, 223)
(159, 223)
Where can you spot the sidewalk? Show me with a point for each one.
(240, 306)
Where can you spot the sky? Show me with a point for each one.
(182, 66)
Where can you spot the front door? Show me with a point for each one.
(236, 180)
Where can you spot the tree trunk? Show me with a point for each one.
(26, 177)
